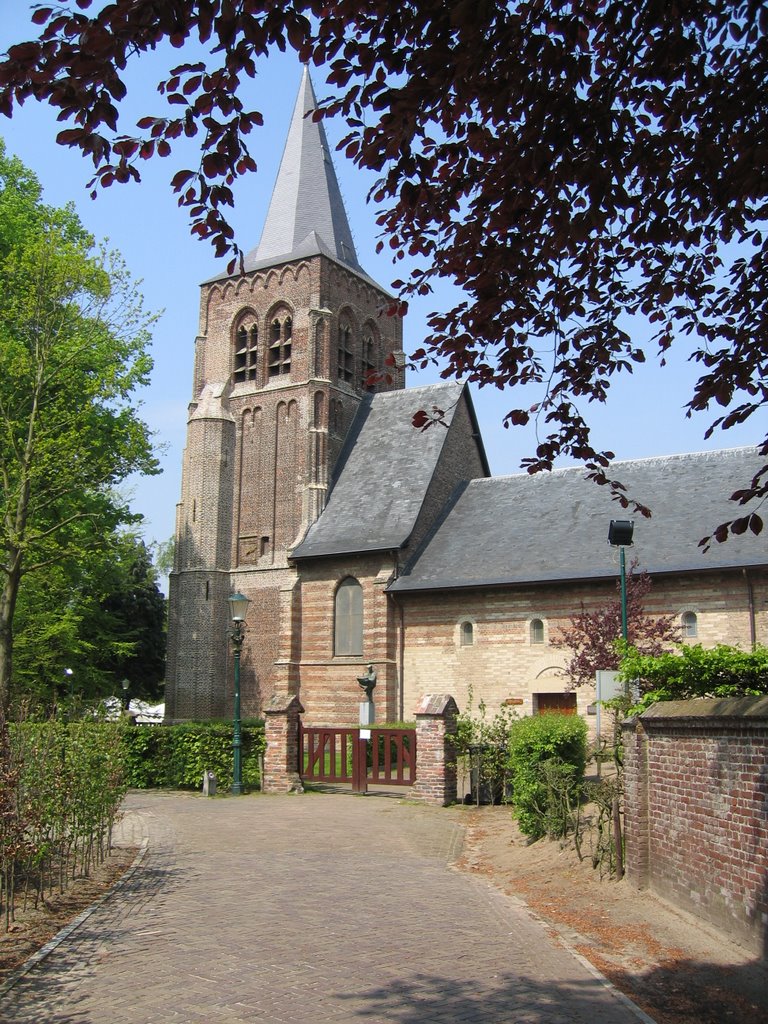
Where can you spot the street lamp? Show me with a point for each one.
(238, 606)
(126, 685)
(619, 535)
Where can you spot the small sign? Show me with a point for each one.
(365, 734)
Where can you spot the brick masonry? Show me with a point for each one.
(259, 456)
(260, 450)
(435, 754)
(503, 663)
(697, 810)
(435, 761)
(282, 715)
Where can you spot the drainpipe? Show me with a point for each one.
(400, 659)
(751, 606)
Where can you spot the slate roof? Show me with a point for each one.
(554, 526)
(306, 214)
(382, 474)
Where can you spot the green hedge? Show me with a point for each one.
(547, 759)
(176, 756)
(61, 785)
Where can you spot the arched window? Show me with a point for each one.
(537, 631)
(690, 624)
(246, 351)
(345, 357)
(466, 634)
(280, 335)
(348, 618)
(369, 367)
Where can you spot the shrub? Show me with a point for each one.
(547, 758)
(61, 785)
(176, 756)
(480, 745)
(694, 671)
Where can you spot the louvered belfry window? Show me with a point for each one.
(246, 352)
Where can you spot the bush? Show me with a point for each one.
(695, 671)
(547, 758)
(480, 745)
(176, 756)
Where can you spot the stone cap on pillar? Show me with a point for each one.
(280, 703)
(436, 704)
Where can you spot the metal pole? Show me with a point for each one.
(623, 570)
(237, 743)
(623, 567)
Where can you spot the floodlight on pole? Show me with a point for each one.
(620, 534)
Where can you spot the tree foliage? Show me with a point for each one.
(101, 616)
(592, 173)
(591, 636)
(73, 340)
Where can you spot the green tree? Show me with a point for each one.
(100, 616)
(164, 553)
(73, 341)
(589, 172)
(136, 612)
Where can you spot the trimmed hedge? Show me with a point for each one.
(547, 760)
(176, 756)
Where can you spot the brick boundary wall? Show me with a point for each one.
(696, 810)
(281, 753)
(435, 757)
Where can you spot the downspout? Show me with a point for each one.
(751, 607)
(400, 657)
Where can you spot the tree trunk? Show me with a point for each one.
(8, 596)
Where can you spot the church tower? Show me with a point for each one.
(283, 359)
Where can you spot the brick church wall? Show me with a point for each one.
(270, 483)
(503, 664)
(329, 689)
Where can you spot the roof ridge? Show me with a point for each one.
(560, 470)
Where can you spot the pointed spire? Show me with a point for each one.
(306, 214)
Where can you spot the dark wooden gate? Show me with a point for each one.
(339, 755)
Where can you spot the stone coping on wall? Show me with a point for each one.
(747, 710)
(435, 704)
(279, 703)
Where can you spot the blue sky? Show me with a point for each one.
(643, 418)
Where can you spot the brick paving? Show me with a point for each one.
(312, 908)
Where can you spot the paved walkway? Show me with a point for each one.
(306, 908)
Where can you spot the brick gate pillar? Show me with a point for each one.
(435, 755)
(281, 756)
(636, 818)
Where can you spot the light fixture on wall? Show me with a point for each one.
(238, 608)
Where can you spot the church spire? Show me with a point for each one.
(306, 214)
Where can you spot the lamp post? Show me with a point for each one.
(126, 685)
(619, 536)
(238, 606)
